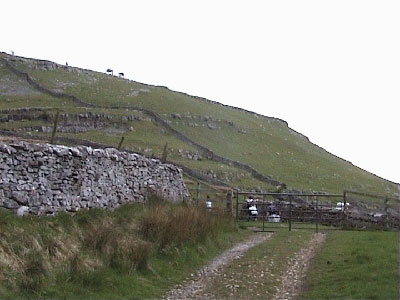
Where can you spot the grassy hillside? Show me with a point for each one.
(266, 144)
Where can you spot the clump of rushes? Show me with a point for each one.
(169, 225)
(118, 246)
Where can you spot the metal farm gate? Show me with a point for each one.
(317, 211)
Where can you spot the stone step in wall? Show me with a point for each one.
(44, 178)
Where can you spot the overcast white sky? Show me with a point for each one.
(331, 69)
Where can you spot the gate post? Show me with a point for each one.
(237, 205)
(197, 192)
(344, 223)
(317, 217)
(385, 208)
(229, 204)
(290, 213)
(344, 200)
(263, 213)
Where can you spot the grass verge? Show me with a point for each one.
(134, 252)
(355, 265)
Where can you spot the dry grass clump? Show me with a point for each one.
(168, 225)
(118, 246)
(34, 250)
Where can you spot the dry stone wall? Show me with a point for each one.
(44, 179)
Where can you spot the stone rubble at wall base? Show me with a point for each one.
(48, 178)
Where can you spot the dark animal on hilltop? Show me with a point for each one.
(110, 71)
(121, 75)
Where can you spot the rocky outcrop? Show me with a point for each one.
(38, 64)
(42, 89)
(49, 178)
(73, 123)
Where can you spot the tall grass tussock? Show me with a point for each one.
(168, 226)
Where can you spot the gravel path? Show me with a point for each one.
(293, 278)
(194, 288)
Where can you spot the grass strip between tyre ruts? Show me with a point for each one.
(256, 274)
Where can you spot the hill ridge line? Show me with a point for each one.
(167, 88)
(211, 155)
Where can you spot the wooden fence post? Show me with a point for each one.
(229, 206)
(316, 223)
(237, 205)
(53, 134)
(290, 213)
(198, 192)
(385, 209)
(120, 143)
(344, 212)
(164, 154)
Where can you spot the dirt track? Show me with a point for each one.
(194, 289)
(291, 280)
